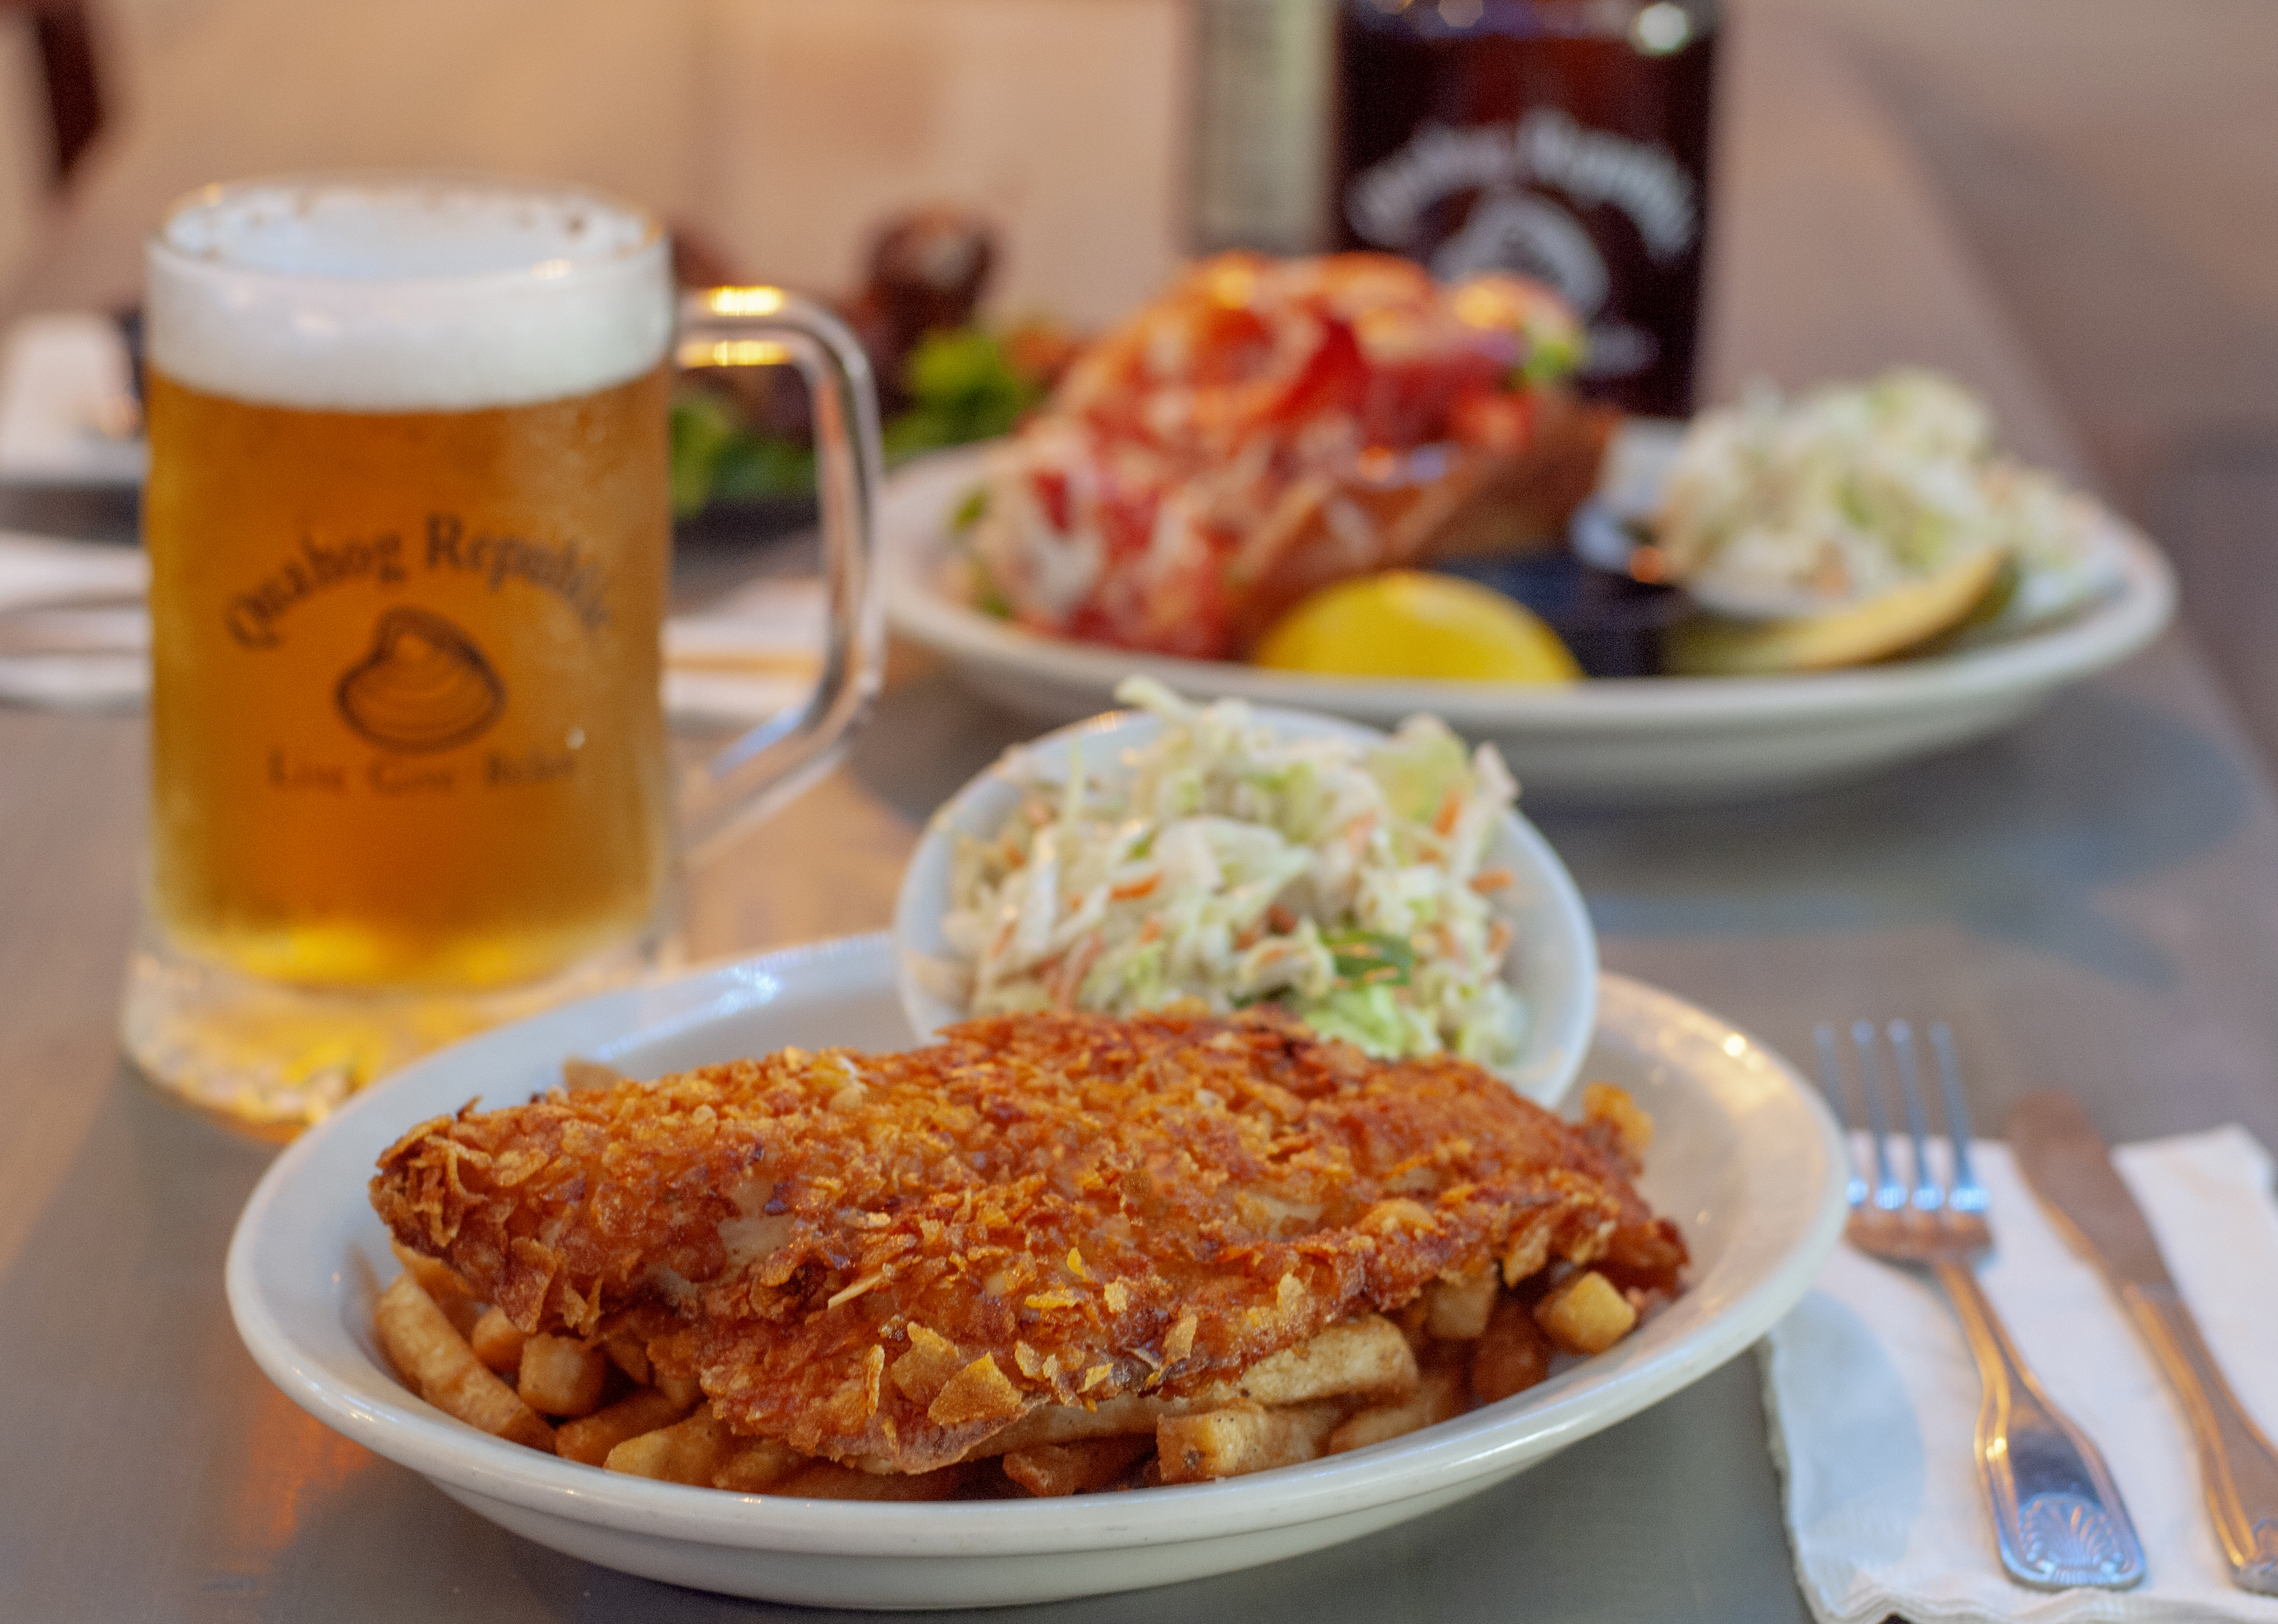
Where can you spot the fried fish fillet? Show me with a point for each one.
(890, 1259)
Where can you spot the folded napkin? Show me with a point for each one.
(755, 652)
(74, 635)
(72, 632)
(1872, 1399)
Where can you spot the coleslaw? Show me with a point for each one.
(1231, 864)
(1854, 490)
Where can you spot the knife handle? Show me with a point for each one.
(2238, 1465)
(2058, 1518)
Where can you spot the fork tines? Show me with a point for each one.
(1888, 1193)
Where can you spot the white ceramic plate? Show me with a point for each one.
(1553, 965)
(1745, 1158)
(1629, 741)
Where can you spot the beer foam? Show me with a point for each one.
(405, 295)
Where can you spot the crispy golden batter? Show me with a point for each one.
(889, 1258)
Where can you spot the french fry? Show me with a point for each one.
(826, 1480)
(1585, 1314)
(1354, 1384)
(1361, 1355)
(757, 1466)
(1456, 1310)
(436, 1278)
(1364, 1355)
(1069, 1423)
(443, 1286)
(1440, 1396)
(1243, 1438)
(628, 1354)
(1528, 1251)
(1047, 1470)
(1629, 1121)
(1513, 1354)
(434, 1358)
(590, 1439)
(464, 1313)
(559, 1376)
(497, 1341)
(687, 1451)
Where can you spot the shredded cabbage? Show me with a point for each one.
(1225, 864)
(1854, 490)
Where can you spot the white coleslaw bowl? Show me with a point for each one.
(1553, 963)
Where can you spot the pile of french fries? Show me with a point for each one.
(1465, 1341)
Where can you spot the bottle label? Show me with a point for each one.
(1511, 225)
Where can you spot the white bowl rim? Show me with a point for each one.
(1560, 1037)
(2109, 631)
(1473, 1447)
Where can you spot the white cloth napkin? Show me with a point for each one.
(1872, 1399)
(74, 635)
(756, 651)
(72, 632)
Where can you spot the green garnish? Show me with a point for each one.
(962, 388)
(1370, 957)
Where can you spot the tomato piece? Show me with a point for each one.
(1052, 488)
(1334, 378)
(1126, 521)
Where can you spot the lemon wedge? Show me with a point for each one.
(1407, 623)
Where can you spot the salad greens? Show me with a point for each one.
(962, 386)
(1230, 864)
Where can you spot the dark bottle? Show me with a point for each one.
(1566, 139)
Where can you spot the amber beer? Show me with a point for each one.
(405, 720)
(408, 519)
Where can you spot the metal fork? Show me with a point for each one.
(2058, 1521)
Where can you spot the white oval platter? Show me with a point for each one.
(1746, 1159)
(1631, 741)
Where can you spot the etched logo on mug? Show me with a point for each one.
(423, 686)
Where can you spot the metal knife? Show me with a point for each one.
(2069, 1169)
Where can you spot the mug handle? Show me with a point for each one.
(752, 776)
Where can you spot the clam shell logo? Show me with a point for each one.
(423, 686)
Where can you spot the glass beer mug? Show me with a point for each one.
(408, 522)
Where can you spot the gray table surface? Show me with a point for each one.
(2090, 900)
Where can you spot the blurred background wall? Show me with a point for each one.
(782, 130)
(1061, 119)
(23, 145)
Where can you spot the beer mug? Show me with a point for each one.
(409, 522)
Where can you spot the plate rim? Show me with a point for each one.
(447, 1450)
(2102, 635)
